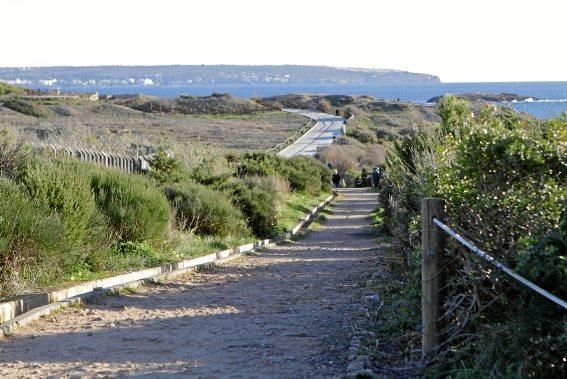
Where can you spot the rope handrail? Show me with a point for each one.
(499, 265)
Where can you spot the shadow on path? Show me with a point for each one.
(281, 312)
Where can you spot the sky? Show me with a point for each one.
(458, 40)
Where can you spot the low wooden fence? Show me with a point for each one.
(130, 164)
(434, 232)
(290, 140)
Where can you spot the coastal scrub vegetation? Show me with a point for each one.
(504, 181)
(8, 89)
(373, 126)
(26, 107)
(63, 220)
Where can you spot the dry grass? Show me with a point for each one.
(108, 126)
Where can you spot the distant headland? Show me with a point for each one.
(181, 75)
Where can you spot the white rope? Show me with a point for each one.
(499, 265)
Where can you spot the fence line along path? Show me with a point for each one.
(321, 134)
(281, 312)
(433, 272)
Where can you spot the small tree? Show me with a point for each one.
(166, 169)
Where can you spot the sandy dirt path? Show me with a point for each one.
(282, 312)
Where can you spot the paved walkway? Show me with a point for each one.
(320, 135)
(280, 313)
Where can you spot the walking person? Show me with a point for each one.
(376, 176)
(336, 179)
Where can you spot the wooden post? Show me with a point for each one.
(432, 251)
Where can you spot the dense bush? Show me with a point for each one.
(13, 155)
(304, 174)
(504, 181)
(64, 219)
(263, 181)
(141, 252)
(27, 107)
(165, 169)
(259, 206)
(274, 184)
(307, 175)
(136, 208)
(30, 241)
(205, 211)
(6, 89)
(363, 135)
(64, 186)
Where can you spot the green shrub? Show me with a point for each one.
(13, 155)
(136, 208)
(30, 241)
(352, 178)
(263, 182)
(6, 89)
(166, 169)
(514, 176)
(27, 107)
(366, 136)
(205, 211)
(304, 174)
(211, 171)
(274, 184)
(141, 252)
(97, 246)
(259, 206)
(64, 186)
(504, 181)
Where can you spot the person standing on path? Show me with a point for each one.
(336, 179)
(376, 176)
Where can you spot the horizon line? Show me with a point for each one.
(296, 65)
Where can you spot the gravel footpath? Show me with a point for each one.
(282, 312)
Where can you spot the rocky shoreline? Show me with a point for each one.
(488, 97)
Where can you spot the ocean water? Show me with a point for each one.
(552, 95)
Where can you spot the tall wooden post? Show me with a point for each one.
(431, 274)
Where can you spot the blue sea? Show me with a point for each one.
(552, 95)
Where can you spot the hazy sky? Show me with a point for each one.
(458, 40)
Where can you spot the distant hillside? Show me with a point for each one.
(203, 74)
